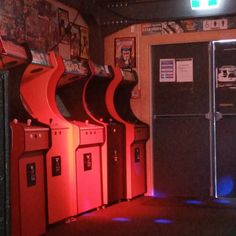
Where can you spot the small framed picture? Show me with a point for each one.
(125, 52)
(63, 22)
(84, 40)
(75, 44)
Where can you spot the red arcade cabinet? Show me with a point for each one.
(28, 146)
(38, 89)
(91, 136)
(113, 150)
(137, 133)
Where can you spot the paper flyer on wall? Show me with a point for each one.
(167, 70)
(184, 70)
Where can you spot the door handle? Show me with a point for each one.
(208, 116)
(219, 116)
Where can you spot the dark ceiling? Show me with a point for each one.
(107, 16)
(113, 15)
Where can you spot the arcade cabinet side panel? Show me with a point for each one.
(138, 168)
(89, 181)
(116, 163)
(4, 156)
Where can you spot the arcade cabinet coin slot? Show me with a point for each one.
(56, 166)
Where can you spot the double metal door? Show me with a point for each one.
(194, 119)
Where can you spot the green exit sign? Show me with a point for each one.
(204, 4)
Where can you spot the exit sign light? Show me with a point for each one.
(204, 4)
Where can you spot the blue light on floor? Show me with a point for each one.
(121, 219)
(163, 221)
(194, 202)
(159, 194)
(222, 201)
(225, 186)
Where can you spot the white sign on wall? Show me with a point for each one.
(215, 24)
(184, 70)
(167, 70)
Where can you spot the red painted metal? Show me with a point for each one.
(87, 146)
(113, 153)
(137, 133)
(38, 94)
(29, 144)
(11, 54)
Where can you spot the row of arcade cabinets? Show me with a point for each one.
(136, 132)
(82, 150)
(83, 99)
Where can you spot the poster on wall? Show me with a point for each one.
(75, 42)
(84, 40)
(167, 70)
(151, 28)
(184, 70)
(63, 22)
(215, 24)
(43, 26)
(125, 52)
(226, 76)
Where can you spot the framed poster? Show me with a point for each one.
(125, 52)
(84, 40)
(63, 22)
(75, 46)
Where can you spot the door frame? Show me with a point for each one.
(145, 69)
(215, 112)
(210, 116)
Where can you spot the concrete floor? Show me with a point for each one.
(153, 216)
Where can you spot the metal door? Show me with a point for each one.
(182, 124)
(224, 70)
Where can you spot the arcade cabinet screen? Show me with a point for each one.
(101, 71)
(40, 58)
(80, 68)
(62, 108)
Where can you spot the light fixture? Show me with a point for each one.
(204, 4)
